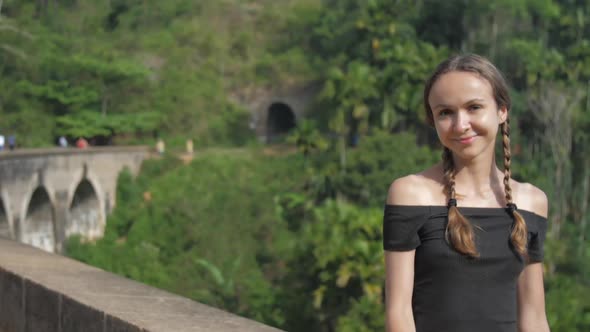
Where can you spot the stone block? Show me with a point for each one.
(115, 324)
(12, 306)
(41, 308)
(76, 317)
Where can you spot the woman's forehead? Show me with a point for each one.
(457, 88)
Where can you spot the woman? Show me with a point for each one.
(460, 255)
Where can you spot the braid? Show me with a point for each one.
(518, 236)
(449, 172)
(459, 232)
(507, 158)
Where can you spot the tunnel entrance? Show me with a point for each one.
(38, 228)
(280, 120)
(4, 226)
(85, 217)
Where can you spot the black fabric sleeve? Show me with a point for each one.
(536, 243)
(401, 225)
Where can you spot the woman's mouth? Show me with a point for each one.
(467, 140)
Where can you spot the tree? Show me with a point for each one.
(554, 107)
(11, 48)
(307, 138)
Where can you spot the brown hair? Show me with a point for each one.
(459, 232)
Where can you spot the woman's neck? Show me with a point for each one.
(478, 177)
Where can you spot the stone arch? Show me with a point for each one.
(280, 119)
(85, 214)
(39, 224)
(87, 176)
(8, 213)
(5, 227)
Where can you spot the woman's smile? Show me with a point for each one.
(466, 140)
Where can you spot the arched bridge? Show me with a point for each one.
(47, 195)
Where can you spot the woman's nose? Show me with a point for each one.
(462, 122)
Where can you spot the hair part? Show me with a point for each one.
(459, 231)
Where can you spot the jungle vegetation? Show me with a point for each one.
(293, 238)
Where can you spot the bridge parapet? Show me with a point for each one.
(40, 291)
(44, 152)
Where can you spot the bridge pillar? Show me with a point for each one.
(61, 217)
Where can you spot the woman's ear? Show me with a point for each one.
(502, 114)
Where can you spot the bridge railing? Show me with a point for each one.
(24, 153)
(40, 291)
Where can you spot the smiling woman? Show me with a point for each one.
(459, 254)
(464, 110)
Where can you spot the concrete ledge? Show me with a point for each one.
(40, 291)
(32, 153)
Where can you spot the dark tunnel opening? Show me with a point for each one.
(281, 119)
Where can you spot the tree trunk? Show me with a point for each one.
(494, 39)
(342, 145)
(104, 101)
(553, 107)
(583, 215)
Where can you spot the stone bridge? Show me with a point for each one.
(47, 195)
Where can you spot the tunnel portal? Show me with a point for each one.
(280, 121)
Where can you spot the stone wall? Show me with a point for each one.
(44, 292)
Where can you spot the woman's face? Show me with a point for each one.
(465, 113)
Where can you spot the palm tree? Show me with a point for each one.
(307, 138)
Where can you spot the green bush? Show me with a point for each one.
(377, 161)
(336, 271)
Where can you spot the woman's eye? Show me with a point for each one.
(444, 113)
(474, 107)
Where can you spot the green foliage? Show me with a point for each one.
(307, 138)
(364, 315)
(171, 67)
(378, 160)
(568, 304)
(89, 123)
(338, 266)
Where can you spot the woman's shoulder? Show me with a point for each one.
(416, 189)
(529, 197)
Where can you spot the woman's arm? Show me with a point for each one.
(399, 285)
(531, 292)
(531, 300)
(399, 265)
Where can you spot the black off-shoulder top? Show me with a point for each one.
(455, 293)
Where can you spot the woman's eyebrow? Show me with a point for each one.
(480, 100)
(441, 106)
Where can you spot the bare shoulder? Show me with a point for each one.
(414, 189)
(529, 197)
